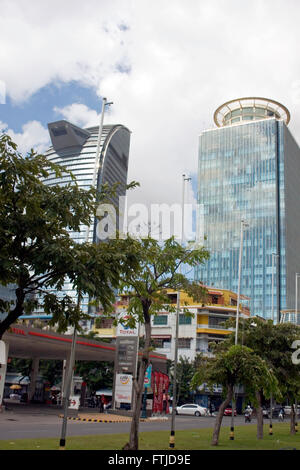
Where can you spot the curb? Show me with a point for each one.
(96, 420)
(91, 420)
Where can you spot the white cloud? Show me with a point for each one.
(79, 114)
(33, 135)
(165, 65)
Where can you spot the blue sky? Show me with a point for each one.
(40, 106)
(166, 75)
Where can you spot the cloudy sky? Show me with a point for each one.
(166, 65)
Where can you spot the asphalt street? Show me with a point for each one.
(31, 423)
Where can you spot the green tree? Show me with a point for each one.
(37, 252)
(186, 370)
(51, 370)
(96, 374)
(273, 344)
(146, 284)
(21, 366)
(231, 366)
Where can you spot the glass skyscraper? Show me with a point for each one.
(249, 169)
(75, 149)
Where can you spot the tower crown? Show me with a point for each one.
(249, 109)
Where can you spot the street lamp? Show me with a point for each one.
(274, 255)
(98, 154)
(62, 442)
(243, 225)
(297, 275)
(174, 401)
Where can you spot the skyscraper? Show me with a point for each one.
(249, 169)
(75, 149)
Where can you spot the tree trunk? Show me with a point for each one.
(293, 421)
(218, 422)
(139, 388)
(13, 314)
(259, 416)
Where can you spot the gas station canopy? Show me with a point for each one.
(25, 342)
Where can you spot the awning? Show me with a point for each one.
(161, 336)
(104, 392)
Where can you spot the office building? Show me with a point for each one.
(249, 169)
(75, 149)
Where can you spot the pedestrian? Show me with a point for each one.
(102, 402)
(281, 414)
(248, 413)
(164, 402)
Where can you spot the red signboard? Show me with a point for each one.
(160, 386)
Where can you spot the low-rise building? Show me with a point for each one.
(200, 323)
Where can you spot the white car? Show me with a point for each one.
(191, 409)
(288, 410)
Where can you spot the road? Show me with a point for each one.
(38, 423)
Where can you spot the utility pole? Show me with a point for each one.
(243, 225)
(174, 401)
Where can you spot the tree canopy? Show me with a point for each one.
(37, 253)
(147, 286)
(234, 365)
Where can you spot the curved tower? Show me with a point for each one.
(75, 148)
(249, 169)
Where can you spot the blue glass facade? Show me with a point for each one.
(243, 174)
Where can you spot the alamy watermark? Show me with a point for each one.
(295, 355)
(160, 221)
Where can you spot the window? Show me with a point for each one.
(184, 319)
(214, 299)
(59, 131)
(161, 343)
(172, 298)
(160, 320)
(184, 343)
(217, 322)
(104, 322)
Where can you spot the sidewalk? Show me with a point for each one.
(84, 414)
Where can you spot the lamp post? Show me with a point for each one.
(62, 442)
(174, 401)
(297, 275)
(98, 154)
(243, 225)
(274, 255)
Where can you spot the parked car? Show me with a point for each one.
(228, 412)
(287, 409)
(191, 409)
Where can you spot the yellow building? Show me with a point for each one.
(204, 325)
